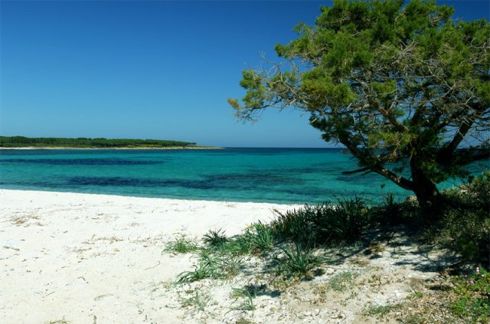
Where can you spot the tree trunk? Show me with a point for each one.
(425, 190)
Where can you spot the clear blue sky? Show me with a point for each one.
(156, 69)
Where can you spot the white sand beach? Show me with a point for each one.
(83, 258)
(98, 258)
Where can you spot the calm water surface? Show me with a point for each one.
(272, 175)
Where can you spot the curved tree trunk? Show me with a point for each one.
(425, 190)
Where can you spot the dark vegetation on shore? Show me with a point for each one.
(459, 224)
(82, 142)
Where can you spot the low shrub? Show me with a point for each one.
(473, 297)
(468, 234)
(323, 224)
(465, 224)
(393, 213)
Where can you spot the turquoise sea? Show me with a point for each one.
(232, 174)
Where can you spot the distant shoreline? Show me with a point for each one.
(62, 143)
(112, 148)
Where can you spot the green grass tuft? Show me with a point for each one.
(215, 239)
(181, 244)
(259, 238)
(213, 265)
(298, 262)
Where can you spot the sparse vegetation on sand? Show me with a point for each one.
(302, 244)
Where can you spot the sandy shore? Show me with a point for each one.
(98, 258)
(81, 258)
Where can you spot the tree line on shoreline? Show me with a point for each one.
(82, 142)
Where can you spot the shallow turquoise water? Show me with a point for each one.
(273, 175)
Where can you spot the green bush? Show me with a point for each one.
(473, 297)
(465, 224)
(477, 192)
(392, 213)
(323, 224)
(468, 233)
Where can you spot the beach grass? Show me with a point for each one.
(290, 245)
(181, 244)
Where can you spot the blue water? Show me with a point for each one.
(267, 175)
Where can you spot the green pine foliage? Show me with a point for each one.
(401, 84)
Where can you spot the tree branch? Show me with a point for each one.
(376, 167)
